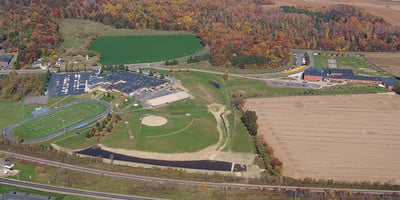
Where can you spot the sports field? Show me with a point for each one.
(343, 137)
(57, 121)
(144, 48)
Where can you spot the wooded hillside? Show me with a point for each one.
(246, 33)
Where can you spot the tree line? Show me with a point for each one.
(16, 86)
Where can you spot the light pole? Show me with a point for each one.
(63, 125)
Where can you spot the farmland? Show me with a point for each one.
(376, 7)
(386, 61)
(58, 120)
(141, 49)
(349, 138)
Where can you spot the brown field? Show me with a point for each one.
(389, 10)
(344, 137)
(386, 61)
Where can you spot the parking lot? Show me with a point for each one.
(68, 84)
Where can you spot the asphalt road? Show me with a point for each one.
(69, 191)
(195, 183)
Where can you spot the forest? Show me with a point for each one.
(16, 86)
(240, 33)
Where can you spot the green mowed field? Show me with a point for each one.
(182, 133)
(144, 48)
(357, 64)
(15, 112)
(54, 122)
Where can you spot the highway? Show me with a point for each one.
(194, 183)
(69, 191)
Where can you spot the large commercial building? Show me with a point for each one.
(345, 75)
(123, 82)
(5, 59)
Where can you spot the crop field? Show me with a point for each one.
(343, 137)
(144, 48)
(386, 61)
(388, 10)
(54, 122)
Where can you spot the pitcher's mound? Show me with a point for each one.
(153, 120)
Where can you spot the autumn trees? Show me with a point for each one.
(249, 120)
(241, 33)
(27, 28)
(16, 86)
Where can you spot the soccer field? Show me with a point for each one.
(58, 121)
(141, 49)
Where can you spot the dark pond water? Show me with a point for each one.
(216, 85)
(194, 164)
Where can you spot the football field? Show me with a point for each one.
(59, 120)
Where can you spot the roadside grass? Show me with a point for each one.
(4, 189)
(73, 141)
(54, 122)
(144, 48)
(14, 112)
(249, 88)
(68, 178)
(356, 63)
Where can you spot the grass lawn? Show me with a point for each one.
(357, 64)
(198, 84)
(145, 48)
(15, 112)
(54, 122)
(72, 140)
(181, 133)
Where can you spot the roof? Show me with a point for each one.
(6, 58)
(129, 82)
(312, 71)
(338, 73)
(389, 81)
(347, 74)
(168, 98)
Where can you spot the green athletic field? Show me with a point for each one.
(57, 121)
(144, 48)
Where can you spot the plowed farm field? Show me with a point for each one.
(344, 137)
(388, 10)
(386, 61)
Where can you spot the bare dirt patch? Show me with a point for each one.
(154, 120)
(388, 10)
(386, 61)
(344, 137)
(36, 100)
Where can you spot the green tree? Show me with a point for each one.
(249, 119)
(397, 88)
(226, 74)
